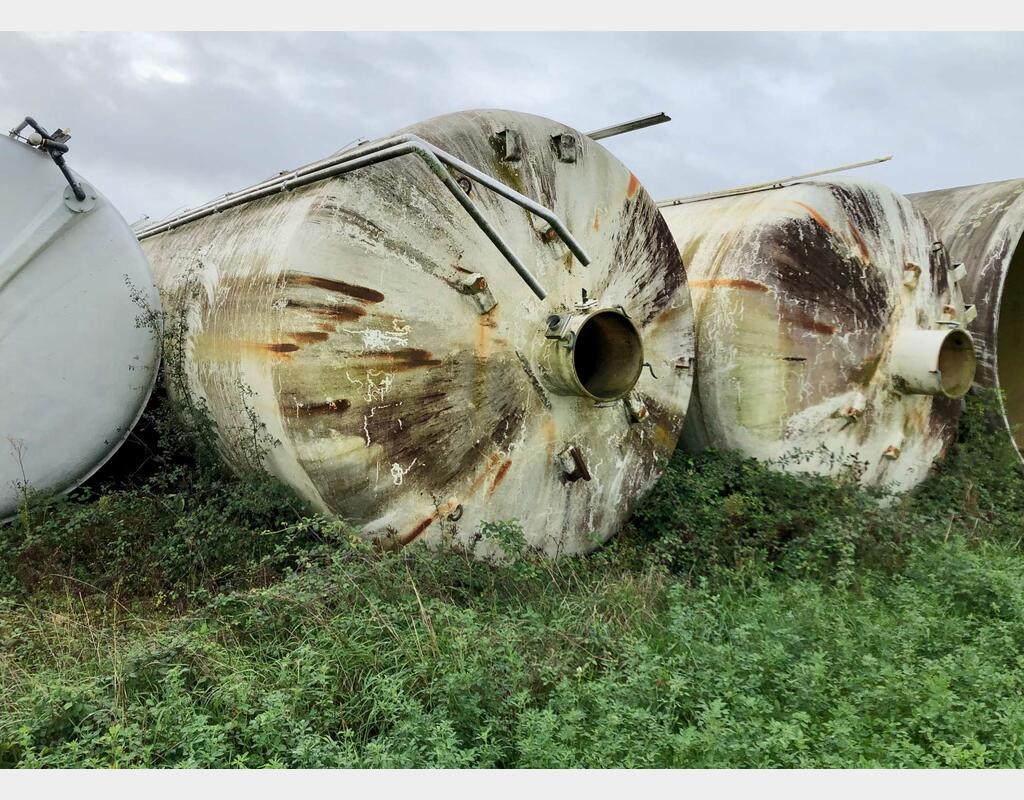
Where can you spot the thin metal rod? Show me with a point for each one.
(776, 184)
(632, 125)
(318, 167)
(379, 152)
(358, 157)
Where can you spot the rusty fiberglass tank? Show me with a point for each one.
(78, 355)
(829, 328)
(479, 318)
(981, 226)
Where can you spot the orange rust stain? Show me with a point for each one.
(281, 347)
(808, 324)
(327, 326)
(478, 481)
(486, 324)
(411, 535)
(308, 337)
(364, 293)
(634, 184)
(550, 434)
(597, 220)
(499, 476)
(861, 245)
(815, 215)
(730, 283)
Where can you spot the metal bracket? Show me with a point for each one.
(475, 285)
(565, 146)
(53, 144)
(574, 468)
(511, 149)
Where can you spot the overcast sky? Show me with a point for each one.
(161, 121)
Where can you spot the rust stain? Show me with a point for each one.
(281, 347)
(634, 184)
(861, 245)
(730, 283)
(342, 313)
(499, 476)
(798, 320)
(478, 481)
(309, 337)
(316, 409)
(815, 215)
(364, 293)
(597, 219)
(406, 538)
(550, 434)
(486, 324)
(407, 358)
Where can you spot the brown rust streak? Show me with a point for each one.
(405, 358)
(799, 320)
(364, 293)
(861, 244)
(409, 537)
(499, 476)
(316, 409)
(309, 337)
(281, 347)
(814, 215)
(343, 313)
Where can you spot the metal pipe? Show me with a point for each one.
(320, 167)
(776, 184)
(632, 125)
(380, 152)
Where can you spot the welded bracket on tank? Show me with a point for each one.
(384, 150)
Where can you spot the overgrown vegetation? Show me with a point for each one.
(188, 617)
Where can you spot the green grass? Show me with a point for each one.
(744, 619)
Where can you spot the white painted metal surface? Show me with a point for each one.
(77, 367)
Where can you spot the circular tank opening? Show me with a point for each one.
(1010, 345)
(956, 364)
(608, 355)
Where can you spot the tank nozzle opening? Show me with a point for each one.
(934, 362)
(597, 354)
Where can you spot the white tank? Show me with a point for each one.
(77, 357)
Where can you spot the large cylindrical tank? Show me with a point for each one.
(79, 335)
(829, 328)
(981, 226)
(412, 380)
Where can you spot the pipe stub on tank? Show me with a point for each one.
(595, 353)
(934, 362)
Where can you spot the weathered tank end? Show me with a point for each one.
(829, 327)
(430, 357)
(982, 226)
